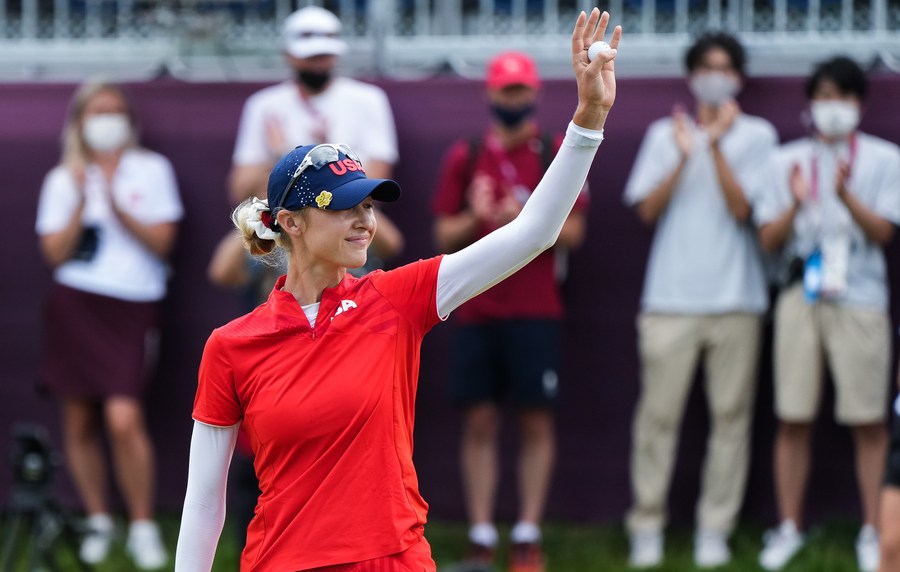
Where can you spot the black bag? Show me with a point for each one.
(87, 246)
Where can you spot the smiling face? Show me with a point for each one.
(337, 239)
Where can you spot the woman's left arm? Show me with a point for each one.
(204, 502)
(474, 269)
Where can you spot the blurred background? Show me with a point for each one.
(209, 40)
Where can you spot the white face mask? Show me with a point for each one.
(714, 88)
(835, 118)
(107, 131)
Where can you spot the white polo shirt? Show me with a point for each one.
(702, 260)
(349, 111)
(122, 267)
(874, 180)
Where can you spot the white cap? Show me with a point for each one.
(312, 31)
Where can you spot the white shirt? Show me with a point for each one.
(122, 267)
(702, 260)
(874, 181)
(348, 111)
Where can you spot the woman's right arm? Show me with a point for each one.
(204, 501)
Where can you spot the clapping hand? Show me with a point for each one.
(799, 185)
(725, 116)
(841, 178)
(682, 131)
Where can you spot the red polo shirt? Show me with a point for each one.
(329, 414)
(532, 292)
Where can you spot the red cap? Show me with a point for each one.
(512, 68)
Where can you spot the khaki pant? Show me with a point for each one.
(855, 342)
(670, 348)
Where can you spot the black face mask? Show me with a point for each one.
(314, 80)
(512, 116)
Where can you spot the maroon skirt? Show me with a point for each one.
(96, 346)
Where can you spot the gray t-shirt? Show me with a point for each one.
(874, 180)
(702, 260)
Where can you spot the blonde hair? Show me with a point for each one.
(75, 150)
(272, 252)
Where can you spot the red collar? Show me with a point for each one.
(288, 314)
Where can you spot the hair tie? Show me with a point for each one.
(259, 218)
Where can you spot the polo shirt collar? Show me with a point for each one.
(289, 315)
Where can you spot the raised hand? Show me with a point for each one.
(596, 79)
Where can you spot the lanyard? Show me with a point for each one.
(814, 176)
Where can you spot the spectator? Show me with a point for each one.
(704, 294)
(508, 343)
(107, 220)
(316, 106)
(830, 209)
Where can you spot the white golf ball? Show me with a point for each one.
(596, 48)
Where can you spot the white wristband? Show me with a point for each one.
(578, 136)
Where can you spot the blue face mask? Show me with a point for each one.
(512, 116)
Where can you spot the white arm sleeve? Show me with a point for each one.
(469, 272)
(204, 502)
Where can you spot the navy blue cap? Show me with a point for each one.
(337, 185)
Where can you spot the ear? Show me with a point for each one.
(291, 222)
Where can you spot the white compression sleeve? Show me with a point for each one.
(204, 502)
(474, 269)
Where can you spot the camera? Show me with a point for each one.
(32, 458)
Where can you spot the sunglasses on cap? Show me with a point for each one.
(318, 157)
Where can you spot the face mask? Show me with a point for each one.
(314, 80)
(835, 118)
(512, 116)
(714, 88)
(107, 131)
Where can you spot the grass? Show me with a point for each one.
(569, 548)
